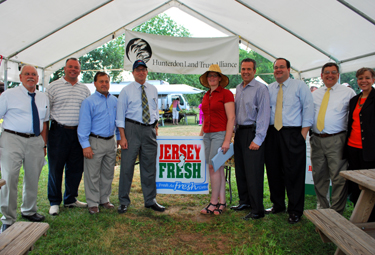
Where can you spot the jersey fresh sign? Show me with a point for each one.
(181, 167)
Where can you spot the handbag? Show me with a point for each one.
(178, 108)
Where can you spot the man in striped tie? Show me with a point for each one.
(331, 107)
(137, 120)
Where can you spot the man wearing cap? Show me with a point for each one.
(26, 114)
(292, 115)
(252, 119)
(331, 106)
(64, 151)
(137, 118)
(96, 131)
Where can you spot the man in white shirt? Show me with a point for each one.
(331, 104)
(26, 114)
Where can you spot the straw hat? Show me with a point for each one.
(214, 68)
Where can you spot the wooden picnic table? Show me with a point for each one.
(2, 182)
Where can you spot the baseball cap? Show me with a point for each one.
(139, 63)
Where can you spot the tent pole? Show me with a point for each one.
(5, 73)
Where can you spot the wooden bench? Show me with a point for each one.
(21, 236)
(348, 237)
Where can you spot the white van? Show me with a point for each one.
(165, 101)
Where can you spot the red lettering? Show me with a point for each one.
(197, 148)
(175, 151)
(161, 151)
(167, 154)
(183, 149)
(190, 148)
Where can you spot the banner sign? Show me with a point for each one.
(181, 166)
(181, 55)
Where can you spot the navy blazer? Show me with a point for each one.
(367, 118)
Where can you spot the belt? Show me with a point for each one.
(328, 135)
(142, 124)
(54, 122)
(20, 134)
(245, 126)
(101, 137)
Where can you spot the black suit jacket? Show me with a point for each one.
(367, 117)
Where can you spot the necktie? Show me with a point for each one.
(36, 127)
(322, 111)
(145, 109)
(279, 109)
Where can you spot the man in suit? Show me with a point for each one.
(292, 113)
(26, 114)
(137, 120)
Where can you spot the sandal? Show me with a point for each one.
(219, 211)
(208, 211)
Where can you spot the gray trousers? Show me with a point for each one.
(99, 171)
(15, 151)
(327, 163)
(142, 140)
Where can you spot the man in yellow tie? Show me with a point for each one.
(292, 113)
(331, 105)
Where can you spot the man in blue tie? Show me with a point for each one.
(26, 114)
(96, 131)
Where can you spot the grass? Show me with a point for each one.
(179, 230)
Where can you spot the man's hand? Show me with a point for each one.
(253, 146)
(124, 144)
(87, 152)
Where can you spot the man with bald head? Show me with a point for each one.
(26, 113)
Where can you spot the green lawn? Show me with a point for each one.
(179, 230)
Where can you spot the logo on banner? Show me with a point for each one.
(181, 168)
(138, 48)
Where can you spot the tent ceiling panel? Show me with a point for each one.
(308, 33)
(25, 22)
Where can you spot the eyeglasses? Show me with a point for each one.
(212, 75)
(30, 74)
(332, 72)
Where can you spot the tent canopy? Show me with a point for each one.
(45, 33)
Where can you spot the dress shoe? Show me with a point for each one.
(76, 204)
(108, 205)
(54, 210)
(293, 218)
(4, 227)
(36, 217)
(156, 207)
(240, 207)
(122, 209)
(93, 210)
(254, 216)
(273, 210)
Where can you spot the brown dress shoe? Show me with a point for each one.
(93, 210)
(108, 205)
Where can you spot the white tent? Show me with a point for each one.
(308, 33)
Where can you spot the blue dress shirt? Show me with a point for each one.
(130, 103)
(253, 107)
(97, 115)
(298, 105)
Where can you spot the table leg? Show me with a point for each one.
(364, 206)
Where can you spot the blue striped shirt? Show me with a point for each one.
(97, 116)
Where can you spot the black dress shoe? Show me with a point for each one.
(240, 207)
(293, 218)
(156, 207)
(253, 216)
(36, 217)
(122, 209)
(273, 210)
(4, 227)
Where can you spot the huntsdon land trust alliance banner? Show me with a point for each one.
(181, 166)
(181, 55)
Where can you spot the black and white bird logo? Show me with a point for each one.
(138, 48)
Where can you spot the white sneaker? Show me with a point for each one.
(54, 210)
(76, 204)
